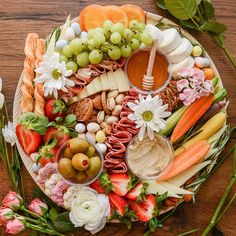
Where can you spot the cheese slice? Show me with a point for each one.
(174, 189)
(105, 82)
(90, 89)
(97, 84)
(65, 27)
(83, 94)
(112, 80)
(122, 81)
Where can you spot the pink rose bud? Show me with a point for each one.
(5, 215)
(13, 201)
(15, 226)
(38, 207)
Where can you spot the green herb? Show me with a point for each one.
(189, 232)
(198, 15)
(34, 122)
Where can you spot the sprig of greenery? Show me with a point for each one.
(198, 15)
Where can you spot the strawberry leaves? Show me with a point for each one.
(105, 182)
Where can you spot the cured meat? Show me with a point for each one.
(122, 133)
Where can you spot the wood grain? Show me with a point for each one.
(18, 18)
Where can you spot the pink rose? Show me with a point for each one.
(5, 215)
(38, 207)
(12, 200)
(15, 226)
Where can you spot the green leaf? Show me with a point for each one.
(209, 11)
(214, 27)
(182, 9)
(63, 224)
(161, 198)
(188, 24)
(154, 224)
(126, 221)
(70, 120)
(161, 4)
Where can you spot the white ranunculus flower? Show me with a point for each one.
(2, 99)
(9, 134)
(90, 209)
(53, 74)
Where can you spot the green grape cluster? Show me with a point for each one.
(110, 41)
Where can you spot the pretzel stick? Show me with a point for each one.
(27, 89)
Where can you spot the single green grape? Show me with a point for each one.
(105, 47)
(114, 53)
(146, 38)
(67, 51)
(127, 34)
(63, 58)
(95, 56)
(91, 33)
(133, 24)
(134, 44)
(137, 36)
(76, 45)
(99, 38)
(141, 27)
(71, 65)
(125, 51)
(107, 25)
(117, 27)
(99, 30)
(83, 59)
(115, 38)
(91, 44)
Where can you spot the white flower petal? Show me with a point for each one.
(141, 132)
(9, 134)
(2, 99)
(150, 132)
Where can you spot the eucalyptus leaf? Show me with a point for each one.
(161, 4)
(62, 223)
(188, 24)
(214, 27)
(182, 9)
(209, 11)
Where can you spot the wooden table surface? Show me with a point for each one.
(20, 17)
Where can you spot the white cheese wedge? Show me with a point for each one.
(112, 80)
(171, 39)
(51, 45)
(98, 85)
(187, 63)
(181, 178)
(90, 89)
(154, 188)
(122, 81)
(181, 52)
(174, 189)
(83, 94)
(64, 28)
(105, 82)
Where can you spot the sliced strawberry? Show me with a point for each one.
(62, 138)
(134, 193)
(52, 152)
(49, 135)
(96, 185)
(54, 108)
(144, 210)
(30, 140)
(120, 183)
(118, 203)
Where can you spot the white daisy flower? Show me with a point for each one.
(148, 115)
(53, 74)
(9, 134)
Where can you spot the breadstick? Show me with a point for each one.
(39, 91)
(27, 89)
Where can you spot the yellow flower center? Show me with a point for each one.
(147, 115)
(56, 74)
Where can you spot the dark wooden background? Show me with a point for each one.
(20, 17)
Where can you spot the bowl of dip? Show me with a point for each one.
(148, 159)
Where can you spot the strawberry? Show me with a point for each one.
(119, 183)
(96, 185)
(144, 210)
(54, 108)
(30, 140)
(118, 202)
(61, 133)
(134, 193)
(52, 153)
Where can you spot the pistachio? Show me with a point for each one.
(120, 99)
(103, 125)
(111, 103)
(111, 120)
(100, 117)
(113, 94)
(117, 110)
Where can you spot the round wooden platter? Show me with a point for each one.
(150, 18)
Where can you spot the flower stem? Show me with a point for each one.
(33, 214)
(228, 54)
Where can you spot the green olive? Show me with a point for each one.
(78, 145)
(68, 153)
(80, 161)
(91, 151)
(65, 168)
(94, 167)
(81, 176)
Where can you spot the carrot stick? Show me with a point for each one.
(186, 159)
(191, 116)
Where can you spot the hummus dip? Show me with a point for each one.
(148, 158)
